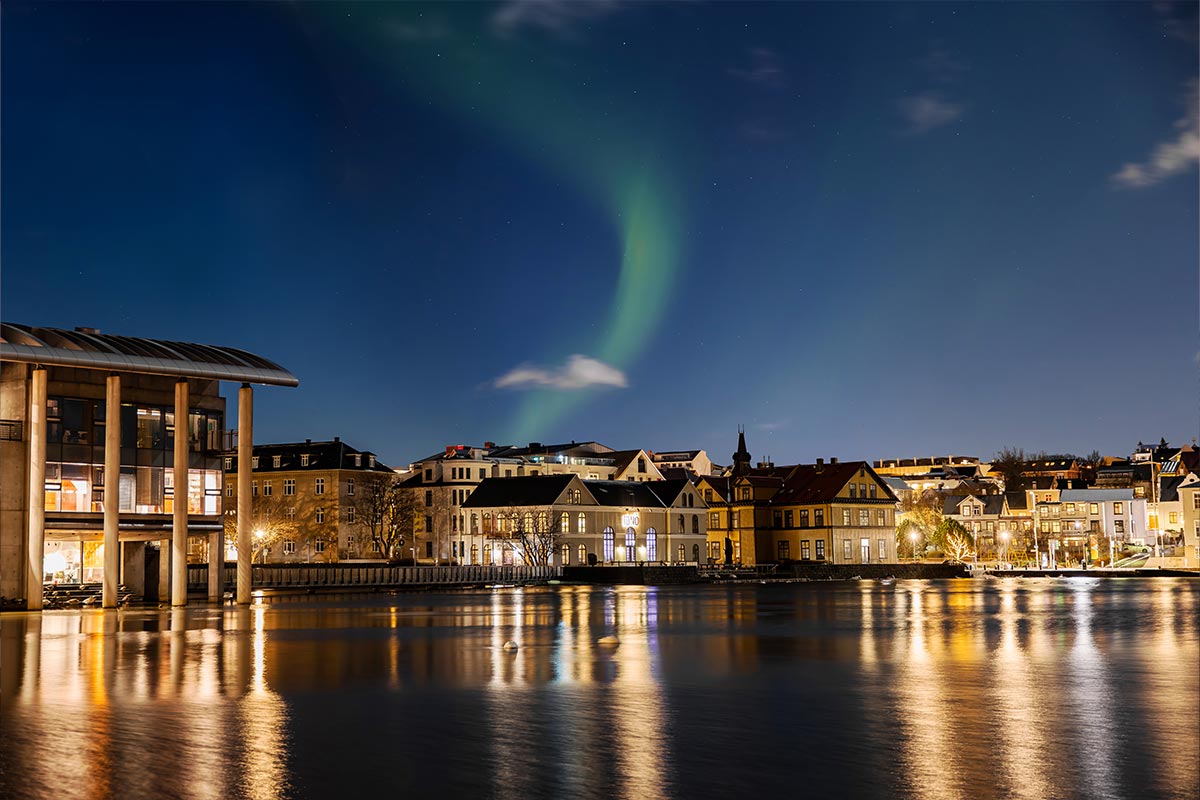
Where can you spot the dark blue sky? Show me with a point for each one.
(859, 230)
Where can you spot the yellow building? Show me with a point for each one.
(841, 513)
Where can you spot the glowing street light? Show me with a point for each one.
(913, 538)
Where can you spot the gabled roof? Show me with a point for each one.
(525, 490)
(720, 484)
(1168, 491)
(624, 493)
(668, 491)
(1017, 501)
(810, 483)
(321, 455)
(993, 504)
(85, 348)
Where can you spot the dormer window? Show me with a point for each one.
(253, 462)
(371, 461)
(228, 464)
(358, 459)
(304, 459)
(275, 461)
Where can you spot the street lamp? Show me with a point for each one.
(912, 537)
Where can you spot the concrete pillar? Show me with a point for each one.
(112, 490)
(37, 491)
(216, 563)
(179, 521)
(245, 569)
(164, 570)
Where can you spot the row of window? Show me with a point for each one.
(1056, 526)
(289, 487)
(785, 550)
(305, 460)
(786, 518)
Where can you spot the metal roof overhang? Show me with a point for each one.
(88, 350)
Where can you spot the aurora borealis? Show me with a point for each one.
(861, 230)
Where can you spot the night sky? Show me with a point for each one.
(859, 230)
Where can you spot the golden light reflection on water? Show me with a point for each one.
(1010, 688)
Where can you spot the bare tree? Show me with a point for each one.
(387, 513)
(959, 547)
(535, 536)
(1010, 464)
(921, 514)
(270, 524)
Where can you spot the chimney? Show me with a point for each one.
(833, 460)
(489, 445)
(337, 438)
(535, 445)
(820, 464)
(449, 450)
(308, 441)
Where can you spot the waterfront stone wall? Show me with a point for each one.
(633, 575)
(823, 571)
(309, 576)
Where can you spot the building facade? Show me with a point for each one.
(563, 520)
(306, 500)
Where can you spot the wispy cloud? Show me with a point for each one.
(557, 17)
(762, 68)
(579, 372)
(774, 425)
(928, 110)
(1172, 157)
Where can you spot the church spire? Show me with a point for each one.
(741, 459)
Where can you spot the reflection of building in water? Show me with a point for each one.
(98, 483)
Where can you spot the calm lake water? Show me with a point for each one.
(1032, 688)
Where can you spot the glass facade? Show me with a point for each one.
(75, 479)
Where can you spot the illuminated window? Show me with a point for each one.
(804, 518)
(864, 547)
(819, 517)
(474, 554)
(651, 544)
(564, 522)
(880, 518)
(864, 517)
(1118, 508)
(609, 544)
(714, 519)
(581, 525)
(630, 544)
(1119, 526)
(883, 549)
(582, 554)
(845, 516)
(820, 544)
(566, 554)
(805, 550)
(846, 550)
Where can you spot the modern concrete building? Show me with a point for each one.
(86, 492)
